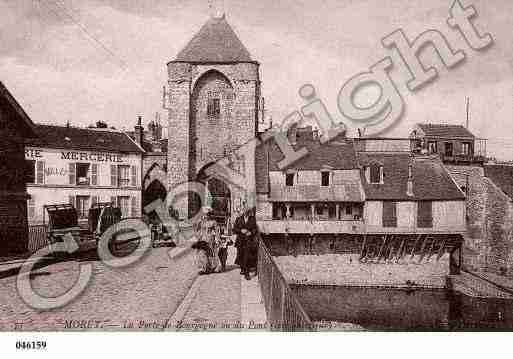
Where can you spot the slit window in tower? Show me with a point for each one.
(214, 107)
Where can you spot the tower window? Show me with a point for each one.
(214, 107)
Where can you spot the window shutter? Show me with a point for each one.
(40, 172)
(94, 174)
(389, 214)
(134, 176)
(31, 207)
(114, 175)
(72, 174)
(72, 200)
(424, 214)
(135, 209)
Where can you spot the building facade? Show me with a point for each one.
(154, 167)
(15, 128)
(374, 201)
(454, 144)
(82, 166)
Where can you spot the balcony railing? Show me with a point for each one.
(357, 227)
(283, 309)
(470, 158)
(306, 226)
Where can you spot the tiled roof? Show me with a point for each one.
(338, 154)
(215, 42)
(446, 131)
(502, 176)
(86, 139)
(149, 145)
(430, 179)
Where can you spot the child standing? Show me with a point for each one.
(223, 240)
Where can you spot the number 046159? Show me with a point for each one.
(28, 345)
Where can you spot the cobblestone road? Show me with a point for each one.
(148, 291)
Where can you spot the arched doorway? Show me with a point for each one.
(154, 185)
(219, 198)
(153, 192)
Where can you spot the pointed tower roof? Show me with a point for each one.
(215, 42)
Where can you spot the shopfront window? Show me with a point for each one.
(82, 206)
(124, 205)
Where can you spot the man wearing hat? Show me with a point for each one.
(245, 228)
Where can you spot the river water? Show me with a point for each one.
(405, 309)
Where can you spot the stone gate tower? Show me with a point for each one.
(213, 97)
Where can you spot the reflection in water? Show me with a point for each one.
(405, 309)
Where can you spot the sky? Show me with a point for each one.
(87, 60)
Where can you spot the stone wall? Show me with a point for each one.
(488, 242)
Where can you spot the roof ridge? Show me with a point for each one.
(111, 130)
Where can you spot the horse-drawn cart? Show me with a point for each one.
(63, 221)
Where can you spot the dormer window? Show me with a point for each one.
(376, 173)
(448, 149)
(432, 147)
(325, 178)
(466, 149)
(289, 179)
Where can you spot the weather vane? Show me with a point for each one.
(216, 8)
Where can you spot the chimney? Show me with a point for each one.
(409, 185)
(138, 131)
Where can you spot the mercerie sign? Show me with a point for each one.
(92, 157)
